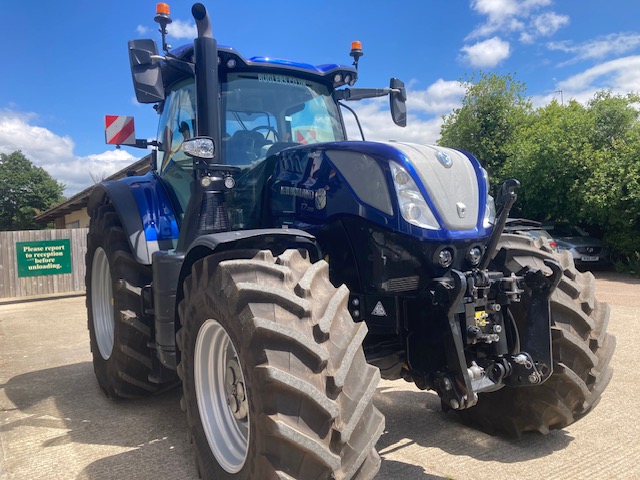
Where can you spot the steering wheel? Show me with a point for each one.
(269, 130)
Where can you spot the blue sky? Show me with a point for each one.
(66, 63)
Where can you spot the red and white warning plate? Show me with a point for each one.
(119, 130)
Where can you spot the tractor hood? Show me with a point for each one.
(425, 191)
(450, 181)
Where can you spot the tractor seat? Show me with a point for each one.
(244, 147)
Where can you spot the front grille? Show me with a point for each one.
(402, 284)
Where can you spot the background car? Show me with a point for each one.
(587, 251)
(530, 228)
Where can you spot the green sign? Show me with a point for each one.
(48, 257)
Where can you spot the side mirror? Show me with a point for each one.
(145, 71)
(397, 102)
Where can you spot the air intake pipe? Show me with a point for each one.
(205, 53)
(206, 212)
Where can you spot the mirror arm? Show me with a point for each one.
(181, 65)
(351, 94)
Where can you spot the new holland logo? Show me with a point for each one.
(379, 310)
(444, 159)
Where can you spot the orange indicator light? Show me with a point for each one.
(357, 45)
(162, 9)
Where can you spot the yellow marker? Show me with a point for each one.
(481, 318)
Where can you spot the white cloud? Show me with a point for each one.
(498, 13)
(440, 97)
(486, 54)
(503, 14)
(601, 47)
(18, 131)
(142, 30)
(526, 37)
(516, 16)
(182, 30)
(378, 126)
(549, 23)
(621, 76)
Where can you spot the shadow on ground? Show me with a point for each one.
(153, 430)
(414, 418)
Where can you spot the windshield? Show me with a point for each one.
(265, 112)
(568, 231)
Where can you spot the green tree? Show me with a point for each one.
(612, 191)
(614, 117)
(551, 155)
(25, 191)
(579, 163)
(493, 108)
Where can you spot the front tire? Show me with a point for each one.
(582, 350)
(119, 333)
(274, 378)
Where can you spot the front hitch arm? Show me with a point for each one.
(535, 364)
(455, 389)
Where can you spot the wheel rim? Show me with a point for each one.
(221, 396)
(102, 303)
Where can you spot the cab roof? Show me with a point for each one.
(230, 60)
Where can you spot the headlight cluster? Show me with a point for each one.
(446, 255)
(413, 206)
(490, 209)
(474, 255)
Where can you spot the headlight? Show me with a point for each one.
(199, 147)
(474, 255)
(413, 206)
(445, 257)
(490, 209)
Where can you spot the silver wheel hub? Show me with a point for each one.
(102, 303)
(235, 390)
(221, 396)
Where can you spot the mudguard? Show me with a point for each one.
(170, 269)
(145, 211)
(253, 238)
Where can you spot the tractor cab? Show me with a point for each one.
(262, 106)
(262, 114)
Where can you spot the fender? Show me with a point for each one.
(261, 238)
(170, 265)
(145, 211)
(274, 239)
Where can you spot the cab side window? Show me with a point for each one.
(177, 124)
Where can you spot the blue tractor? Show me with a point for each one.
(277, 271)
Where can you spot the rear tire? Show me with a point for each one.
(119, 333)
(301, 406)
(582, 350)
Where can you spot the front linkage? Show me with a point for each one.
(475, 304)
